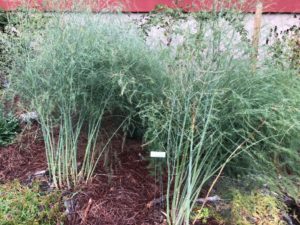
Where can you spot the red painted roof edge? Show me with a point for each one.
(144, 6)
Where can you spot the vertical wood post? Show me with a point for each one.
(256, 32)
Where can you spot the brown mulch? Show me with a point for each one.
(116, 196)
(23, 158)
(119, 197)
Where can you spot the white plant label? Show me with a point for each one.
(157, 154)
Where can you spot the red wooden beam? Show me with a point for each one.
(270, 6)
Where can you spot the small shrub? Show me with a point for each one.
(201, 215)
(206, 214)
(255, 208)
(9, 127)
(3, 19)
(21, 205)
(285, 47)
(5, 56)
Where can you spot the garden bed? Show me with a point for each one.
(100, 99)
(118, 197)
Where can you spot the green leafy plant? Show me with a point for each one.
(201, 215)
(23, 205)
(3, 19)
(9, 127)
(209, 213)
(5, 56)
(285, 46)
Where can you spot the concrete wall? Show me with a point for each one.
(269, 21)
(282, 21)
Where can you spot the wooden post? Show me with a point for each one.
(256, 32)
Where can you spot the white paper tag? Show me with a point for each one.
(157, 154)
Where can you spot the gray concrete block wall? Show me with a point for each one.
(157, 36)
(269, 21)
(282, 21)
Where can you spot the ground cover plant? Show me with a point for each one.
(24, 205)
(200, 101)
(255, 207)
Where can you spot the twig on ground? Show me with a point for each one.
(86, 212)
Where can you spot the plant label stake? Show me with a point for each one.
(154, 154)
(158, 171)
